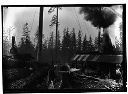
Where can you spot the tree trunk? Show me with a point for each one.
(40, 35)
(57, 36)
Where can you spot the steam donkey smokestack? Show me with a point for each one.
(13, 49)
(13, 41)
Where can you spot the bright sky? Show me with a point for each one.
(68, 17)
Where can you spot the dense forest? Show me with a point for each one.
(71, 43)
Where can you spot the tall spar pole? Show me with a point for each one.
(40, 35)
(57, 35)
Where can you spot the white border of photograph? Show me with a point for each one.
(53, 2)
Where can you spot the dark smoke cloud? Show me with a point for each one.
(98, 16)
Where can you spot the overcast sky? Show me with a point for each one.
(68, 17)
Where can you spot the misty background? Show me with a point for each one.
(68, 17)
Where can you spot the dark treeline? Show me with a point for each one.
(71, 43)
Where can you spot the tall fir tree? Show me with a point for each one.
(66, 45)
(58, 41)
(96, 43)
(26, 32)
(90, 47)
(51, 41)
(26, 46)
(84, 44)
(73, 41)
(66, 40)
(79, 42)
(63, 40)
(45, 44)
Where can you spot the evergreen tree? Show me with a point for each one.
(79, 42)
(96, 43)
(44, 45)
(50, 43)
(64, 40)
(89, 46)
(73, 41)
(67, 39)
(26, 46)
(84, 44)
(26, 31)
(66, 45)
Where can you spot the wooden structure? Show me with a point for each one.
(13, 49)
(105, 64)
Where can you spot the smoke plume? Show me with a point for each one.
(98, 16)
(105, 17)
